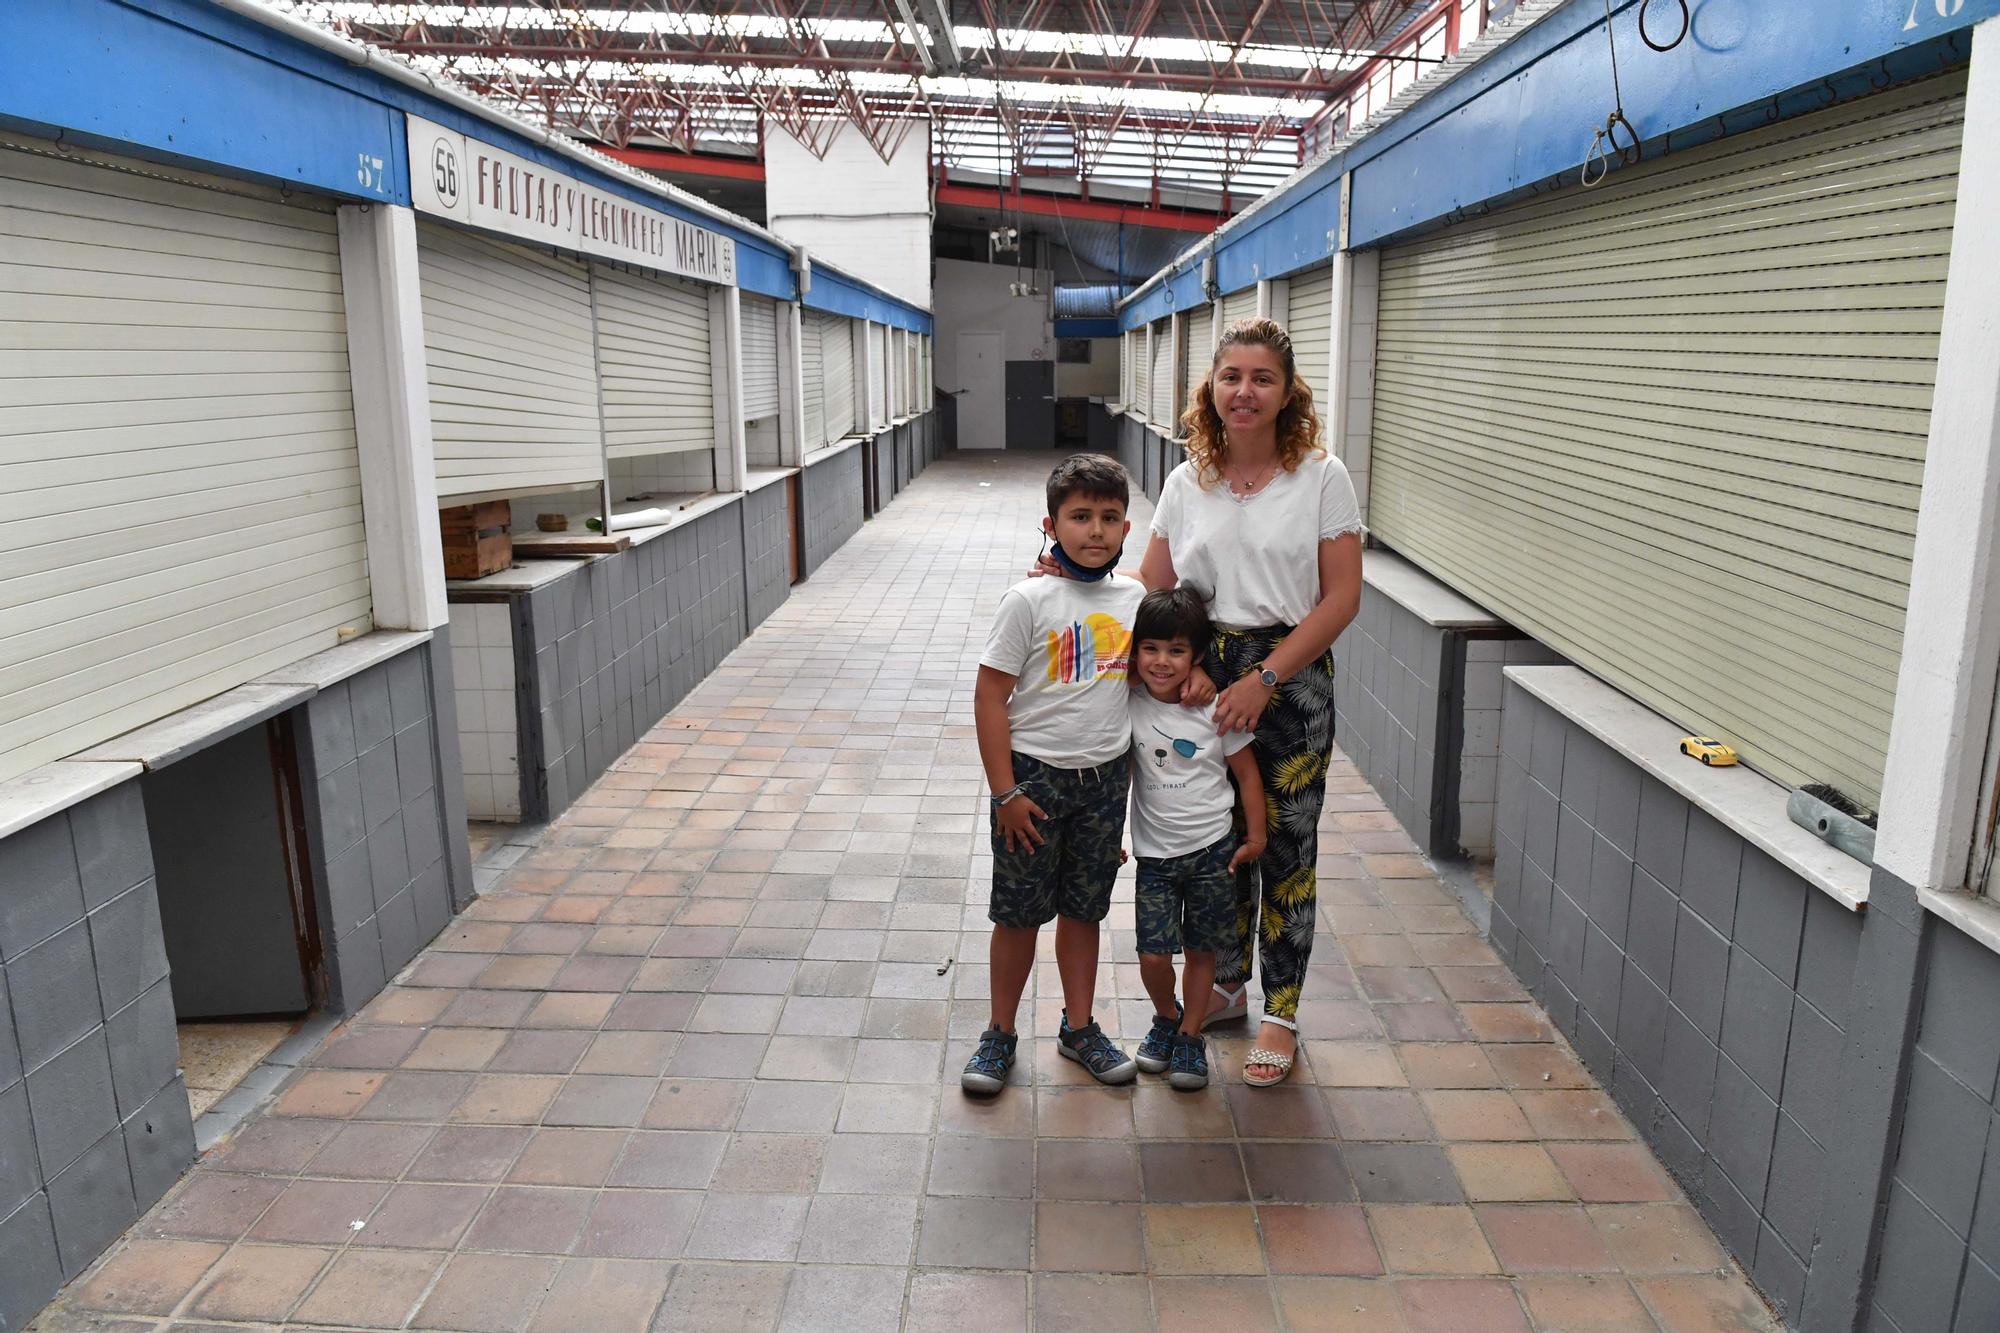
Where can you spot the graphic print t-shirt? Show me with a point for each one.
(1068, 644)
(1181, 797)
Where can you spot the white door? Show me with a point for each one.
(982, 402)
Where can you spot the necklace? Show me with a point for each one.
(1242, 490)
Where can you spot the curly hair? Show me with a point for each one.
(1298, 423)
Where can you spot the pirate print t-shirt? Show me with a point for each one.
(1181, 797)
(1068, 644)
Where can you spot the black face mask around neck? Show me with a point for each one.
(1083, 573)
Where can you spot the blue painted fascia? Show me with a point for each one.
(837, 294)
(1182, 291)
(1086, 328)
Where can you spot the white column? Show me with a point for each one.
(1276, 299)
(1951, 632)
(1264, 299)
(392, 415)
(791, 386)
(725, 312)
(864, 367)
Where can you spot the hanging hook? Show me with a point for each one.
(1887, 76)
(1628, 153)
(1597, 157)
(1647, 38)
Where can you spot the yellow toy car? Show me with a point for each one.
(1708, 750)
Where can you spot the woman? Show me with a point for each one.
(1263, 522)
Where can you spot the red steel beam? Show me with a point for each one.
(693, 164)
(1091, 210)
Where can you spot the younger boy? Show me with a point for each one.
(1050, 713)
(1188, 853)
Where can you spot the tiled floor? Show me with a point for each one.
(692, 1064)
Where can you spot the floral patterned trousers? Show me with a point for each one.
(1277, 898)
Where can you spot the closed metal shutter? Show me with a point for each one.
(1238, 305)
(878, 362)
(513, 372)
(1162, 378)
(910, 381)
(1142, 373)
(179, 480)
(812, 373)
(760, 357)
(1201, 348)
(1309, 321)
(652, 355)
(837, 352)
(1675, 426)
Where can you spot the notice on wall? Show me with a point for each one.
(458, 177)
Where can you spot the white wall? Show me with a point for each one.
(1098, 379)
(865, 216)
(972, 298)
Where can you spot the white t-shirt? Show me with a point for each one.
(1256, 560)
(1181, 797)
(1069, 645)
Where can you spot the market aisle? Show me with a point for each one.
(692, 1063)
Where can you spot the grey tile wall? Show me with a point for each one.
(1940, 1265)
(1134, 444)
(1700, 979)
(94, 1122)
(605, 651)
(830, 491)
(766, 516)
(882, 460)
(376, 825)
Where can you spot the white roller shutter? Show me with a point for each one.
(760, 357)
(1675, 426)
(1238, 305)
(178, 475)
(878, 361)
(513, 373)
(652, 356)
(837, 353)
(1161, 380)
(1310, 324)
(812, 372)
(910, 365)
(1142, 372)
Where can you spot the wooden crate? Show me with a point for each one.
(478, 539)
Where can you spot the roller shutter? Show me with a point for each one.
(1201, 335)
(513, 373)
(653, 357)
(1238, 305)
(1142, 372)
(1675, 426)
(179, 480)
(812, 373)
(1161, 380)
(837, 353)
(1309, 321)
(760, 357)
(878, 363)
(910, 378)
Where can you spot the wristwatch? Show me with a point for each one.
(1267, 676)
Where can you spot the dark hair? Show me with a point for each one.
(1173, 613)
(1094, 475)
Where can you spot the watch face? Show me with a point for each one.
(1268, 676)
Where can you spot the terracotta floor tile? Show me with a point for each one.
(506, 1099)
(425, 1217)
(705, 1297)
(749, 1226)
(371, 1288)
(1165, 1113)
(1206, 1239)
(1538, 1065)
(540, 1052)
(1297, 1173)
(470, 1153)
(1192, 1173)
(1087, 1169)
(365, 1150)
(1339, 1305)
(530, 1219)
(1703, 1304)
(843, 1300)
(1505, 1022)
(1357, 1064)
(1280, 1113)
(1543, 1238)
(1422, 1020)
(1584, 1305)
(874, 1164)
(791, 1108)
(1579, 1114)
(322, 1211)
(990, 1168)
(1203, 1304)
(1430, 1238)
(258, 1281)
(975, 1233)
(1647, 1238)
(1102, 1304)
(1318, 1239)
(368, 1046)
(1613, 1172)
(602, 1294)
(327, 1094)
(416, 1095)
(1088, 1238)
(688, 1103)
(1508, 1173)
(148, 1276)
(217, 1207)
(1379, 1113)
(1401, 1173)
(669, 1159)
(1452, 1305)
(602, 1101)
(1448, 1065)
(1075, 1113)
(487, 1293)
(1470, 1114)
(773, 1164)
(638, 1224)
(859, 1229)
(967, 1303)
(642, 1053)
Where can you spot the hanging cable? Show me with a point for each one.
(1647, 37)
(1605, 142)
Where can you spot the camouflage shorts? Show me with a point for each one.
(1071, 873)
(1188, 901)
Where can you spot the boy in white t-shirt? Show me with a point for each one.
(1188, 851)
(1050, 712)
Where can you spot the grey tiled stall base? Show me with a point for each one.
(830, 495)
(1417, 708)
(766, 516)
(1704, 982)
(376, 821)
(94, 1119)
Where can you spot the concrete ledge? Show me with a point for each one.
(1423, 596)
(349, 659)
(525, 576)
(1972, 913)
(760, 477)
(53, 788)
(181, 734)
(826, 451)
(1749, 804)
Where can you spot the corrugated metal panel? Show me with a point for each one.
(1142, 372)
(760, 356)
(878, 362)
(1201, 347)
(1161, 380)
(1310, 323)
(513, 374)
(910, 364)
(812, 371)
(653, 360)
(1239, 305)
(1675, 426)
(178, 480)
(837, 353)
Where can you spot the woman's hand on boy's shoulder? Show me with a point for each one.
(1197, 691)
(1045, 564)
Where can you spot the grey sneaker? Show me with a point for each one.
(986, 1072)
(1089, 1047)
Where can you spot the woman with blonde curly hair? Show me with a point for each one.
(1263, 522)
